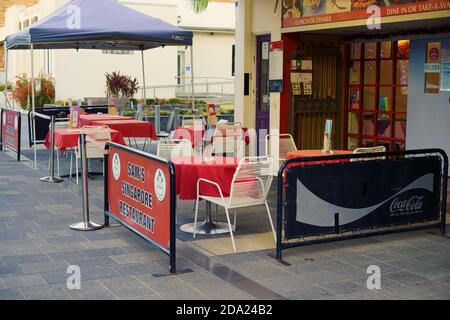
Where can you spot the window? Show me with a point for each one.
(233, 60)
(377, 94)
(118, 51)
(34, 20)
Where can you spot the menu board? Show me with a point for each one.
(276, 66)
(320, 12)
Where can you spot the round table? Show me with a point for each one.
(220, 170)
(317, 153)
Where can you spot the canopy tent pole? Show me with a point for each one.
(5, 91)
(143, 77)
(192, 76)
(33, 104)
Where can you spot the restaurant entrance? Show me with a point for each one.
(377, 91)
(316, 69)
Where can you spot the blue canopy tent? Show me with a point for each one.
(99, 24)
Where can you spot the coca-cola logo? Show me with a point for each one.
(413, 204)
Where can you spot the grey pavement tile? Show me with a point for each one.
(67, 256)
(49, 292)
(402, 292)
(147, 297)
(365, 295)
(25, 258)
(11, 294)
(323, 277)
(258, 269)
(138, 257)
(433, 288)
(405, 277)
(102, 252)
(126, 287)
(211, 286)
(38, 267)
(101, 244)
(10, 269)
(16, 282)
(91, 290)
(138, 269)
(172, 288)
(345, 287)
(93, 273)
(283, 285)
(91, 262)
(311, 293)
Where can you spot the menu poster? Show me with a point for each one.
(307, 65)
(445, 69)
(296, 84)
(432, 74)
(306, 80)
(276, 66)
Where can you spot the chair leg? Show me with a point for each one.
(57, 161)
(195, 217)
(235, 214)
(231, 229)
(70, 168)
(76, 168)
(271, 222)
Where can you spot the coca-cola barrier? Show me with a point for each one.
(339, 197)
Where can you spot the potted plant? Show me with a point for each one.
(44, 91)
(120, 88)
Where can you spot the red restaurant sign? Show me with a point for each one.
(139, 194)
(307, 12)
(10, 130)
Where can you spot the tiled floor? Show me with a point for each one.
(37, 246)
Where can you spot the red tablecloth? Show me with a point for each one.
(196, 135)
(317, 153)
(130, 128)
(65, 138)
(86, 119)
(189, 169)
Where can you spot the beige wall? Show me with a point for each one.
(253, 18)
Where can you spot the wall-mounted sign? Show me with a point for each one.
(276, 66)
(321, 12)
(432, 67)
(445, 69)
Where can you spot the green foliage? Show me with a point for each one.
(199, 5)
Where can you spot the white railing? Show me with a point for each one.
(210, 89)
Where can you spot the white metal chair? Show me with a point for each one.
(174, 148)
(195, 121)
(166, 134)
(286, 144)
(249, 187)
(228, 140)
(96, 139)
(378, 149)
(59, 125)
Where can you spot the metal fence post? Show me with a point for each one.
(157, 118)
(85, 225)
(51, 178)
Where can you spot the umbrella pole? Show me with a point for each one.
(143, 77)
(5, 91)
(33, 104)
(192, 76)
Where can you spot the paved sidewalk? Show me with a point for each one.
(37, 246)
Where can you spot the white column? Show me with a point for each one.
(33, 104)
(192, 75)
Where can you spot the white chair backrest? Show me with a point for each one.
(379, 149)
(96, 139)
(228, 139)
(251, 181)
(61, 124)
(286, 144)
(174, 148)
(193, 121)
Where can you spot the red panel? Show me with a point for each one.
(10, 129)
(139, 194)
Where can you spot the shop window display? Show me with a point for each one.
(378, 94)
